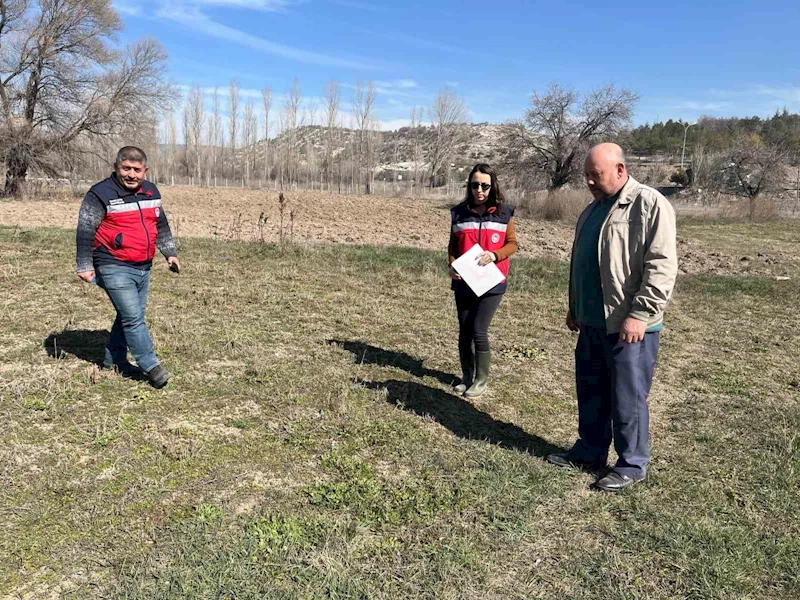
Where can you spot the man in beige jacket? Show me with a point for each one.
(622, 272)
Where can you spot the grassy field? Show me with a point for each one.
(309, 447)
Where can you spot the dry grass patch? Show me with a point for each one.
(556, 205)
(309, 445)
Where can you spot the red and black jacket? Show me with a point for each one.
(133, 225)
(493, 230)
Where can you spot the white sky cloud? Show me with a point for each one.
(193, 18)
(356, 4)
(704, 106)
(788, 95)
(258, 5)
(754, 100)
(127, 9)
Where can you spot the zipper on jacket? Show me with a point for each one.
(146, 234)
(480, 228)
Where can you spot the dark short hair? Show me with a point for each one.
(131, 153)
(496, 197)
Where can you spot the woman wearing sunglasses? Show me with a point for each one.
(482, 218)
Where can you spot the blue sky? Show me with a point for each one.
(685, 59)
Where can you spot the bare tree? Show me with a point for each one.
(308, 117)
(291, 108)
(194, 119)
(157, 159)
(750, 168)
(215, 130)
(448, 117)
(233, 122)
(312, 162)
(559, 126)
(252, 123)
(187, 141)
(363, 103)
(415, 132)
(266, 99)
(172, 145)
(246, 141)
(65, 87)
(331, 98)
(281, 144)
(249, 135)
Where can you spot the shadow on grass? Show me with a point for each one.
(372, 355)
(460, 417)
(83, 344)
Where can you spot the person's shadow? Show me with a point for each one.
(460, 417)
(83, 344)
(372, 355)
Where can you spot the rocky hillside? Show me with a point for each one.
(395, 148)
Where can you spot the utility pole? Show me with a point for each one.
(683, 152)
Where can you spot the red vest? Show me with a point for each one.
(129, 230)
(488, 230)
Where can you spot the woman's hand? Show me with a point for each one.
(486, 257)
(454, 275)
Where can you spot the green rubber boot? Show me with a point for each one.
(467, 369)
(482, 360)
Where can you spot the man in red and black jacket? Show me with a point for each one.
(120, 225)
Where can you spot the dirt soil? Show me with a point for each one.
(322, 217)
(309, 217)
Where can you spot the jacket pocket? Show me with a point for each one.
(621, 222)
(118, 241)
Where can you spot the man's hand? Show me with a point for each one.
(486, 257)
(87, 276)
(174, 264)
(572, 324)
(632, 331)
(454, 274)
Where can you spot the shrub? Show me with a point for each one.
(556, 205)
(680, 177)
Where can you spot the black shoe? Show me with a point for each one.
(614, 482)
(158, 376)
(564, 460)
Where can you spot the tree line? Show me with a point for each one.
(334, 141)
(716, 134)
(69, 96)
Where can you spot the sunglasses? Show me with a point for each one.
(484, 186)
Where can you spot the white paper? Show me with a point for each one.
(479, 279)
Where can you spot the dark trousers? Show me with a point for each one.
(474, 317)
(613, 381)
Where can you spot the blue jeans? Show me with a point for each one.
(127, 288)
(613, 381)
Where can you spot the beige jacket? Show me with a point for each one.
(638, 256)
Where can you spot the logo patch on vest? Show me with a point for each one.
(117, 201)
(158, 212)
(495, 238)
